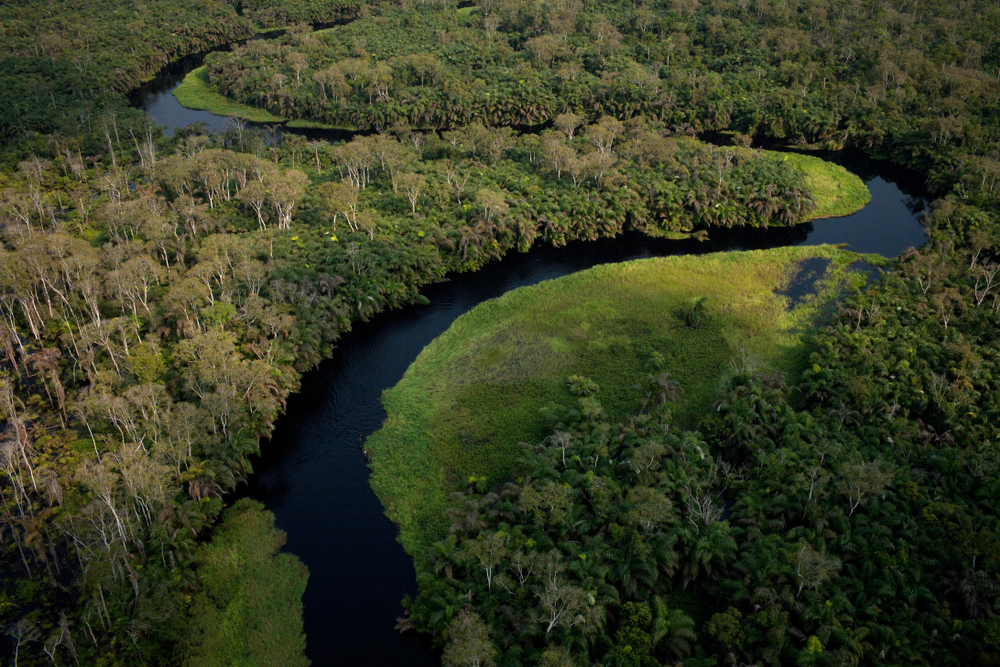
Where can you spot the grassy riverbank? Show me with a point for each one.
(196, 92)
(836, 191)
(473, 394)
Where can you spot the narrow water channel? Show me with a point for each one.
(312, 473)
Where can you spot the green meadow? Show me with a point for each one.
(836, 191)
(475, 392)
(196, 92)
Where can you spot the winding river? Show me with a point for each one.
(313, 475)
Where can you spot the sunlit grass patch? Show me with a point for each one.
(196, 92)
(836, 191)
(475, 392)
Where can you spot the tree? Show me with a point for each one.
(673, 628)
(285, 190)
(945, 302)
(728, 629)
(714, 547)
(411, 185)
(813, 567)
(469, 643)
(490, 550)
(604, 133)
(333, 77)
(497, 141)
(380, 79)
(546, 48)
(392, 156)
(632, 641)
(22, 632)
(860, 481)
(562, 604)
(556, 154)
(425, 65)
(985, 275)
(648, 507)
(341, 199)
(297, 61)
(368, 221)
(548, 503)
(493, 203)
(563, 441)
(567, 124)
(696, 314)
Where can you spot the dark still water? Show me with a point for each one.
(157, 99)
(313, 475)
(161, 104)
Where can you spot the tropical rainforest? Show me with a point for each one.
(162, 295)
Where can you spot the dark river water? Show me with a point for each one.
(313, 475)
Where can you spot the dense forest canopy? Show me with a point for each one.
(823, 72)
(160, 297)
(63, 63)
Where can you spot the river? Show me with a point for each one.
(313, 475)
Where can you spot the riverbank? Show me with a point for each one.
(472, 395)
(836, 191)
(196, 92)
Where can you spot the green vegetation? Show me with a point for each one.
(65, 62)
(197, 93)
(836, 191)
(298, 123)
(787, 529)
(249, 611)
(474, 393)
(275, 13)
(159, 298)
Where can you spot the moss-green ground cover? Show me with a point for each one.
(196, 92)
(474, 393)
(836, 191)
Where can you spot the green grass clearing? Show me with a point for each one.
(836, 191)
(474, 393)
(196, 92)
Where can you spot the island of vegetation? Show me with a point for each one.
(160, 297)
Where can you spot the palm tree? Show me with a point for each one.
(632, 567)
(714, 547)
(696, 314)
(673, 627)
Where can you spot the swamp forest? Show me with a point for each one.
(750, 445)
